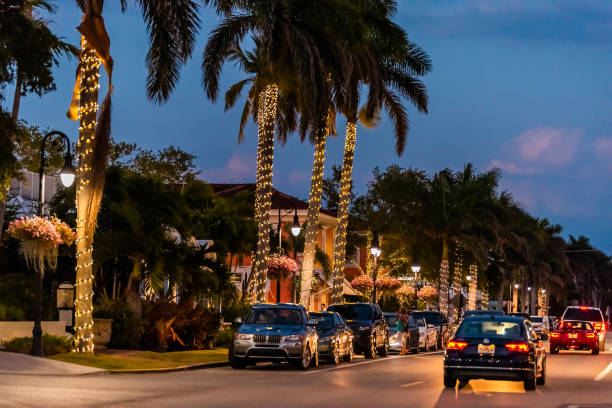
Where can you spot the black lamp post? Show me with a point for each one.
(416, 268)
(295, 231)
(67, 176)
(375, 251)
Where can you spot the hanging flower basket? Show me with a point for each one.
(280, 265)
(428, 293)
(362, 283)
(405, 290)
(40, 238)
(388, 284)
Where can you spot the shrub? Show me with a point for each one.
(51, 345)
(237, 309)
(126, 329)
(11, 313)
(224, 338)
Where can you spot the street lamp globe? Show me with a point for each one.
(416, 268)
(516, 286)
(469, 278)
(295, 227)
(374, 248)
(67, 173)
(529, 288)
(543, 291)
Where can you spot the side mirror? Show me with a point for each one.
(312, 323)
(238, 320)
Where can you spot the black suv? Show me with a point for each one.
(439, 320)
(370, 330)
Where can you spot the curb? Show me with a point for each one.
(168, 370)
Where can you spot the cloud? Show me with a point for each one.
(603, 147)
(239, 168)
(540, 150)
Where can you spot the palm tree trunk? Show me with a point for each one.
(443, 294)
(312, 218)
(457, 279)
(343, 207)
(473, 286)
(263, 189)
(132, 289)
(86, 216)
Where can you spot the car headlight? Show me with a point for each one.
(295, 337)
(363, 328)
(326, 339)
(241, 336)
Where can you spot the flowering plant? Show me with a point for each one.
(362, 283)
(428, 293)
(40, 238)
(405, 290)
(280, 265)
(388, 283)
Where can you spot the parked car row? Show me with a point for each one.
(287, 332)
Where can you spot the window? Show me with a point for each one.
(276, 315)
(411, 321)
(590, 315)
(490, 328)
(352, 312)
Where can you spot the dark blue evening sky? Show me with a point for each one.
(520, 84)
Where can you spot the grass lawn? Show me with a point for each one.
(139, 360)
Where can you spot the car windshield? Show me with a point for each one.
(325, 321)
(391, 320)
(575, 326)
(536, 319)
(420, 322)
(352, 312)
(490, 328)
(590, 315)
(430, 318)
(274, 315)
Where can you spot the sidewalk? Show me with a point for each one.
(15, 363)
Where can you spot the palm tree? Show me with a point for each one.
(293, 40)
(172, 27)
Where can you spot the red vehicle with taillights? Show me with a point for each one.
(589, 314)
(574, 335)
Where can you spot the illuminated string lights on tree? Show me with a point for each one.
(343, 206)
(472, 287)
(457, 278)
(444, 271)
(266, 115)
(485, 298)
(88, 108)
(312, 216)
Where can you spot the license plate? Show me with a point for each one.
(486, 348)
(572, 336)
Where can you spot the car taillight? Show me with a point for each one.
(591, 335)
(553, 334)
(520, 347)
(584, 308)
(456, 345)
(599, 326)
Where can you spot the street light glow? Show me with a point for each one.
(296, 228)
(516, 286)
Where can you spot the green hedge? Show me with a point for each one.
(224, 338)
(51, 345)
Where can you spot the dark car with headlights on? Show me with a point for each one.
(438, 320)
(574, 335)
(495, 348)
(275, 332)
(335, 338)
(370, 330)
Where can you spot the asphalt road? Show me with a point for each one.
(573, 380)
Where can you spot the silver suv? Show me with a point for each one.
(276, 332)
(589, 314)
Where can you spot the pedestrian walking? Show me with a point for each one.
(402, 328)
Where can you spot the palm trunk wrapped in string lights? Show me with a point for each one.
(312, 217)
(457, 279)
(263, 189)
(473, 286)
(444, 274)
(343, 207)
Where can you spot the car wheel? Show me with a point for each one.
(383, 351)
(436, 344)
(350, 354)
(370, 352)
(416, 349)
(314, 361)
(439, 340)
(542, 378)
(238, 362)
(450, 382)
(595, 351)
(304, 362)
(334, 356)
(554, 350)
(530, 383)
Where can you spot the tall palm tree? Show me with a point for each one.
(289, 34)
(172, 27)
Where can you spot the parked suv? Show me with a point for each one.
(439, 321)
(370, 330)
(279, 332)
(588, 314)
